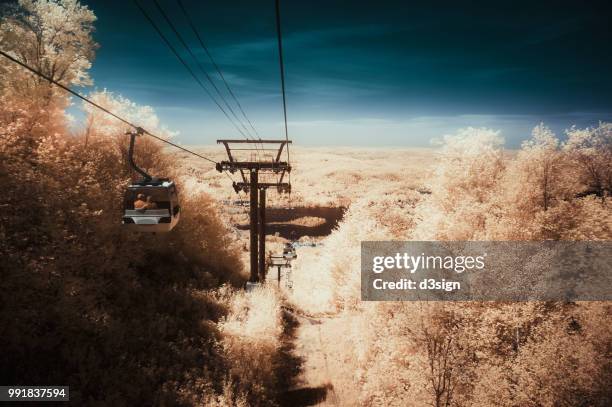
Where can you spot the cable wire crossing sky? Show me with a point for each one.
(386, 74)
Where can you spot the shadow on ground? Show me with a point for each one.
(307, 396)
(287, 230)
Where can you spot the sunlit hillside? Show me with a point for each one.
(354, 352)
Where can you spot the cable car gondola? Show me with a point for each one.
(161, 212)
(151, 204)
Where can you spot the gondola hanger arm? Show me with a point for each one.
(138, 131)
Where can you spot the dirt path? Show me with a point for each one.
(313, 385)
(307, 344)
(324, 378)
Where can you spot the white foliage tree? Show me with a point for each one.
(54, 37)
(462, 187)
(591, 151)
(103, 124)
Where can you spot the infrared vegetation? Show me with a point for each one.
(129, 319)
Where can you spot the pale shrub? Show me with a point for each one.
(251, 340)
(313, 283)
(557, 366)
(331, 281)
(254, 315)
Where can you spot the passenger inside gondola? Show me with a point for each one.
(140, 202)
(150, 203)
(151, 198)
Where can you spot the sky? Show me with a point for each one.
(366, 73)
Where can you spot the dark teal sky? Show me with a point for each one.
(368, 72)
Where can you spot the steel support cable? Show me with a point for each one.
(178, 56)
(67, 89)
(212, 60)
(282, 70)
(197, 62)
(279, 35)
